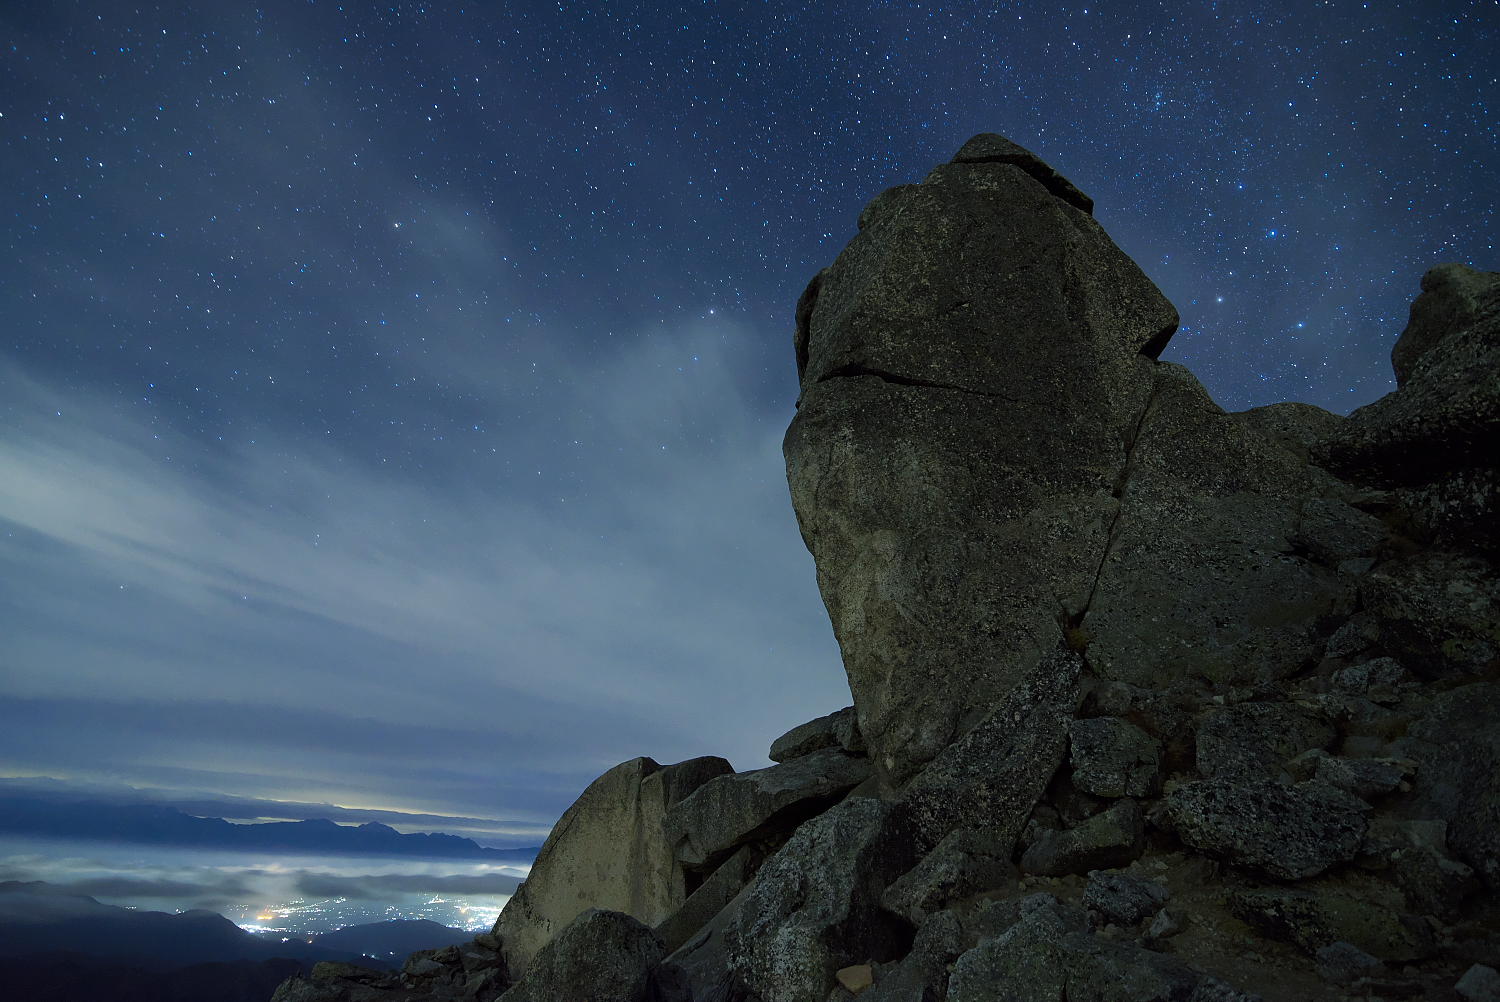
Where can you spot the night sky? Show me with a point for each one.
(391, 394)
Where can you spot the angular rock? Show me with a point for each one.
(965, 862)
(1439, 612)
(1456, 745)
(1283, 831)
(1314, 919)
(1356, 635)
(1251, 741)
(1122, 898)
(1109, 839)
(1435, 434)
(855, 978)
(1044, 958)
(815, 905)
(1114, 758)
(991, 777)
(1366, 778)
(837, 729)
(1479, 984)
(1376, 679)
(619, 816)
(1415, 854)
(732, 809)
(903, 459)
(1344, 963)
(602, 956)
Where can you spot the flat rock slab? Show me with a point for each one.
(838, 729)
(1283, 831)
(732, 809)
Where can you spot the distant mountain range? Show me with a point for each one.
(22, 814)
(60, 946)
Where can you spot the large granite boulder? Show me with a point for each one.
(989, 465)
(610, 850)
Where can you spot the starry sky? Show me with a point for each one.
(391, 393)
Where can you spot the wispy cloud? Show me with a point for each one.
(289, 621)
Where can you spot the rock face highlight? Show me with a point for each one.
(1151, 700)
(608, 851)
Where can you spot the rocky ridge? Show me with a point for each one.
(1151, 701)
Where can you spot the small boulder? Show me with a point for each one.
(838, 729)
(1356, 635)
(1315, 918)
(1285, 832)
(1250, 741)
(1366, 778)
(1479, 984)
(1114, 758)
(735, 808)
(1344, 963)
(967, 861)
(1109, 839)
(1122, 898)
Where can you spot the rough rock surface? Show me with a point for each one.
(1282, 831)
(1240, 669)
(735, 808)
(601, 956)
(620, 816)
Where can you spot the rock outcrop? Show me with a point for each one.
(1151, 700)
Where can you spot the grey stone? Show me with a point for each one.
(965, 862)
(602, 956)
(732, 809)
(1434, 436)
(831, 731)
(1479, 984)
(1439, 612)
(990, 148)
(1334, 531)
(1201, 577)
(1285, 832)
(1415, 855)
(623, 812)
(1114, 758)
(1251, 741)
(1045, 959)
(709, 898)
(1313, 919)
(1366, 778)
(1111, 838)
(991, 777)
(1456, 745)
(1344, 963)
(1122, 898)
(1356, 635)
(1167, 923)
(814, 907)
(903, 460)
(1376, 679)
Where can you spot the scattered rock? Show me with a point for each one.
(1285, 832)
(1366, 778)
(1167, 923)
(1251, 741)
(1313, 919)
(601, 956)
(1114, 758)
(965, 862)
(1344, 963)
(735, 808)
(856, 978)
(1112, 838)
(1122, 898)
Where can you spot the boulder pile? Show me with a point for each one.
(1151, 701)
